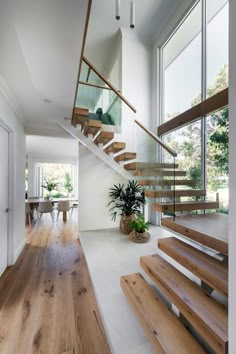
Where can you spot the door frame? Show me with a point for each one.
(10, 253)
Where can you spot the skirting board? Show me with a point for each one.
(18, 251)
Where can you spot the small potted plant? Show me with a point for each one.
(140, 227)
(49, 185)
(126, 201)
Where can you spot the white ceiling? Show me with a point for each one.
(40, 45)
(51, 146)
(151, 17)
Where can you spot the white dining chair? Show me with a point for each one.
(63, 206)
(44, 208)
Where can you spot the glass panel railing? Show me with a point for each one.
(156, 174)
(217, 150)
(186, 141)
(89, 76)
(103, 104)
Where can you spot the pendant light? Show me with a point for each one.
(132, 14)
(117, 9)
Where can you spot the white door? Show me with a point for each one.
(4, 138)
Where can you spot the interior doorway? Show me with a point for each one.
(4, 197)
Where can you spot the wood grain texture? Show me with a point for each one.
(184, 206)
(114, 147)
(202, 109)
(205, 267)
(210, 230)
(104, 137)
(80, 116)
(165, 332)
(143, 165)
(176, 193)
(207, 315)
(92, 127)
(155, 172)
(48, 304)
(125, 156)
(167, 182)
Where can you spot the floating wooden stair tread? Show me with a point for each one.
(176, 193)
(205, 267)
(165, 332)
(159, 172)
(104, 137)
(210, 230)
(167, 182)
(92, 127)
(125, 156)
(80, 116)
(208, 316)
(147, 165)
(184, 206)
(114, 147)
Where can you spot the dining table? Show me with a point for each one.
(34, 203)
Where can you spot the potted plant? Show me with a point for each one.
(126, 200)
(49, 185)
(139, 226)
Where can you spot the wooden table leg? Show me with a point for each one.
(64, 216)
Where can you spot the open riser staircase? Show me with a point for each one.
(167, 188)
(200, 315)
(195, 322)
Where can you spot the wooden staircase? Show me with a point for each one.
(200, 315)
(170, 193)
(162, 179)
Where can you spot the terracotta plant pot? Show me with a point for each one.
(125, 226)
(137, 237)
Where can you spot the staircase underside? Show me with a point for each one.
(210, 230)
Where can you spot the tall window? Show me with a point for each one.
(217, 45)
(195, 67)
(182, 66)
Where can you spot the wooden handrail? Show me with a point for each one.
(94, 85)
(202, 109)
(157, 140)
(109, 84)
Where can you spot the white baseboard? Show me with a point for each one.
(18, 251)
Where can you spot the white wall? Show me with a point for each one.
(17, 177)
(232, 177)
(95, 179)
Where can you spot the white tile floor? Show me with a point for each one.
(109, 255)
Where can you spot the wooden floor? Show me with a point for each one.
(47, 303)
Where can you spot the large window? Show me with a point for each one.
(217, 45)
(62, 176)
(182, 66)
(194, 67)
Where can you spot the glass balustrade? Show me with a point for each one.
(102, 103)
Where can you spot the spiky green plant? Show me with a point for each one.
(126, 199)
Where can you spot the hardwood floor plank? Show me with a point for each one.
(49, 306)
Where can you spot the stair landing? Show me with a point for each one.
(209, 229)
